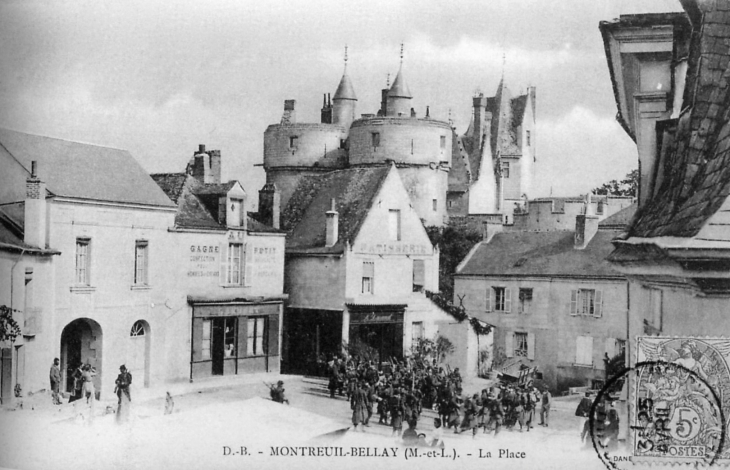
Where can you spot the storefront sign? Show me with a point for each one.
(376, 317)
(235, 310)
(394, 248)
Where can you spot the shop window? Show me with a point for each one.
(368, 277)
(525, 300)
(587, 302)
(205, 347)
(256, 336)
(520, 343)
(584, 350)
(394, 224)
(141, 254)
(419, 275)
(83, 261)
(235, 252)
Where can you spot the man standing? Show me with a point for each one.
(55, 376)
(545, 409)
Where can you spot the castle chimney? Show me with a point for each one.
(201, 166)
(383, 101)
(289, 116)
(326, 116)
(332, 226)
(480, 106)
(270, 205)
(35, 209)
(215, 166)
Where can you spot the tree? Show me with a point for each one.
(626, 187)
(454, 243)
(9, 328)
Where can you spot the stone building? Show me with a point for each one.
(231, 268)
(492, 164)
(358, 261)
(671, 84)
(91, 278)
(554, 301)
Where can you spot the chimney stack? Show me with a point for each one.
(35, 209)
(332, 225)
(270, 205)
(586, 227)
(215, 166)
(289, 116)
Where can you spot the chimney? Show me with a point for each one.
(290, 115)
(201, 166)
(586, 227)
(215, 166)
(589, 205)
(383, 101)
(270, 205)
(480, 106)
(326, 117)
(332, 226)
(35, 209)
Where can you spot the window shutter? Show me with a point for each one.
(507, 300)
(242, 336)
(509, 346)
(574, 302)
(489, 299)
(598, 307)
(224, 264)
(589, 350)
(530, 345)
(273, 325)
(197, 339)
(248, 262)
(579, 350)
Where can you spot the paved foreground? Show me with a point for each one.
(221, 424)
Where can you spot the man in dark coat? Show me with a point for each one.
(55, 377)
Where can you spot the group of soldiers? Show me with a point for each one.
(400, 392)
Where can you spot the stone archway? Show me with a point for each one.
(81, 343)
(138, 353)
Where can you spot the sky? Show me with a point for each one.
(159, 77)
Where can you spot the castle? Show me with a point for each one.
(486, 171)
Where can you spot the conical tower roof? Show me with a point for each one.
(345, 91)
(400, 87)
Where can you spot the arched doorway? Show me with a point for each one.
(81, 343)
(138, 353)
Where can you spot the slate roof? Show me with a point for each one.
(620, 220)
(696, 159)
(345, 90)
(400, 87)
(304, 216)
(542, 254)
(192, 213)
(84, 171)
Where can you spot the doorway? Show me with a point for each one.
(138, 361)
(81, 342)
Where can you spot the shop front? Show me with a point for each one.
(376, 331)
(230, 338)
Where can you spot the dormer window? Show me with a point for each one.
(235, 212)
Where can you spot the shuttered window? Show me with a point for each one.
(502, 299)
(520, 343)
(235, 255)
(368, 277)
(588, 302)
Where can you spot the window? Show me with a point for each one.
(655, 75)
(599, 208)
(137, 329)
(527, 137)
(435, 204)
(235, 215)
(394, 224)
(140, 262)
(451, 204)
(293, 141)
(416, 332)
(82, 261)
(525, 300)
(205, 348)
(368, 277)
(233, 276)
(375, 136)
(505, 169)
(502, 299)
(256, 336)
(443, 142)
(520, 344)
(419, 275)
(584, 350)
(229, 337)
(587, 302)
(621, 347)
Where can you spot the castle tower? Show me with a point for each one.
(399, 96)
(343, 110)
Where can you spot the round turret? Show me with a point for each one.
(399, 97)
(343, 109)
(304, 144)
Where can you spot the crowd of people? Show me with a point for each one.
(400, 391)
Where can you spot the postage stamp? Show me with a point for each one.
(681, 400)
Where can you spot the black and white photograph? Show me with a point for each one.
(365, 234)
